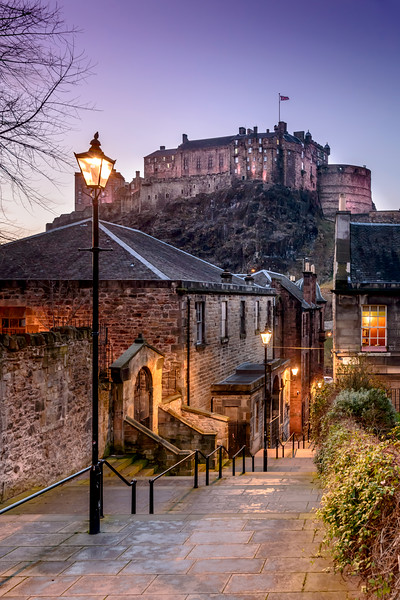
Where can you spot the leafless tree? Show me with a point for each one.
(39, 71)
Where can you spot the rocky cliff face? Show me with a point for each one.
(245, 227)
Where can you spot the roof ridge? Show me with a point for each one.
(133, 252)
(34, 235)
(165, 244)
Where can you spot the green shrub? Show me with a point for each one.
(321, 403)
(370, 408)
(360, 507)
(357, 376)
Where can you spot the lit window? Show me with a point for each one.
(373, 327)
(236, 150)
(200, 309)
(259, 140)
(236, 159)
(250, 150)
(260, 149)
(248, 167)
(224, 319)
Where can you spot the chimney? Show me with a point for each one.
(342, 202)
(162, 147)
(309, 283)
(184, 138)
(249, 131)
(341, 260)
(242, 130)
(137, 174)
(255, 129)
(249, 279)
(226, 276)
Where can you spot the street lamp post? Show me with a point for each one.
(266, 336)
(96, 168)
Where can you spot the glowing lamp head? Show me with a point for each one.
(266, 336)
(95, 166)
(319, 384)
(295, 370)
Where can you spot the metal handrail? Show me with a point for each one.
(43, 491)
(131, 484)
(243, 451)
(154, 479)
(219, 450)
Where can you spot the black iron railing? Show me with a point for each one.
(131, 484)
(43, 491)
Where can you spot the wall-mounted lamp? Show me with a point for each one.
(294, 370)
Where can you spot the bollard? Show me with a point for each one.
(133, 497)
(252, 463)
(196, 469)
(151, 497)
(244, 461)
(276, 447)
(293, 446)
(233, 466)
(101, 490)
(220, 463)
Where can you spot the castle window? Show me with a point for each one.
(167, 195)
(210, 162)
(248, 159)
(167, 165)
(260, 149)
(257, 316)
(250, 141)
(221, 161)
(250, 150)
(260, 141)
(265, 158)
(236, 150)
(163, 157)
(277, 150)
(248, 167)
(236, 142)
(198, 162)
(236, 159)
(185, 163)
(373, 327)
(172, 157)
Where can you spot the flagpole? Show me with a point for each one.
(279, 107)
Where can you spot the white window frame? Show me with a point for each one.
(224, 319)
(373, 319)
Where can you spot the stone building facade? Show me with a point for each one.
(208, 165)
(366, 306)
(203, 320)
(298, 336)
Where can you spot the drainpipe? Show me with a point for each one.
(188, 353)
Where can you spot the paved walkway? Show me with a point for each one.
(252, 537)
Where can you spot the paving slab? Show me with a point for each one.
(249, 537)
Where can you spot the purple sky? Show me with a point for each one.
(206, 68)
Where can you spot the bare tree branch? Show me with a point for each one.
(39, 69)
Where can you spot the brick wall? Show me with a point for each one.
(45, 413)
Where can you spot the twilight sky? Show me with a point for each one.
(206, 68)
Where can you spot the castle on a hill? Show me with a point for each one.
(205, 166)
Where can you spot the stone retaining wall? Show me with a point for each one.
(45, 411)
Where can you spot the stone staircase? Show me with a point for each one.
(130, 466)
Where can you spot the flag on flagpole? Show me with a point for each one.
(284, 98)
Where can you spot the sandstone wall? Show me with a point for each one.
(45, 411)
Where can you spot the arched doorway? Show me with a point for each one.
(143, 398)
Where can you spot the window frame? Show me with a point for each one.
(368, 314)
(200, 322)
(224, 320)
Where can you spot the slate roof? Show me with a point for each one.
(292, 288)
(135, 256)
(207, 143)
(165, 152)
(375, 253)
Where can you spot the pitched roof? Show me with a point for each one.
(261, 277)
(375, 253)
(135, 255)
(206, 143)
